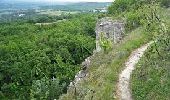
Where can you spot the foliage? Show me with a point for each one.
(143, 25)
(38, 62)
(105, 68)
(165, 3)
(151, 78)
(119, 6)
(133, 20)
(105, 43)
(128, 10)
(133, 11)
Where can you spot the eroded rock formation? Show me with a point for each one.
(112, 30)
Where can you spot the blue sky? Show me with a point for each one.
(67, 0)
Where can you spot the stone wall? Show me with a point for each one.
(112, 30)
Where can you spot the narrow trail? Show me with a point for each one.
(124, 91)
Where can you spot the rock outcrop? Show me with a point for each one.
(112, 30)
(83, 72)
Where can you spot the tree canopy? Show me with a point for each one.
(40, 61)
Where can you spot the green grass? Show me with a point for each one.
(105, 68)
(151, 79)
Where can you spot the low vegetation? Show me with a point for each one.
(151, 79)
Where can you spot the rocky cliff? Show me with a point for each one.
(111, 29)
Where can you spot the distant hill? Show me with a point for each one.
(14, 4)
(19, 5)
(82, 6)
(7, 4)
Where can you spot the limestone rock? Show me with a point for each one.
(112, 30)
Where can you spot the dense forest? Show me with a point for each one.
(40, 61)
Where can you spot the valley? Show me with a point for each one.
(81, 50)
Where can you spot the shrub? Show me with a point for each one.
(165, 3)
(105, 43)
(119, 6)
(133, 20)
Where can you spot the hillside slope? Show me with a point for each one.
(151, 79)
(124, 77)
(103, 73)
(100, 84)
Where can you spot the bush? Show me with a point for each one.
(119, 6)
(105, 43)
(165, 3)
(133, 20)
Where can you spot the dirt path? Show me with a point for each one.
(124, 91)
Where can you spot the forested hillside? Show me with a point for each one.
(40, 61)
(146, 21)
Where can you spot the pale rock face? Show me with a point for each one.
(112, 30)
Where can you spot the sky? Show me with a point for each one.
(67, 0)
